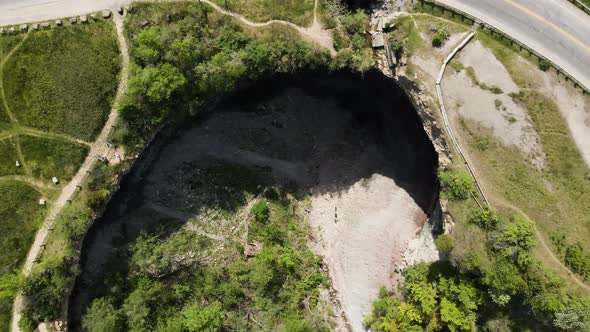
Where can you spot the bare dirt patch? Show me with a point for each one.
(488, 68)
(509, 122)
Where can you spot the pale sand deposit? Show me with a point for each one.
(363, 233)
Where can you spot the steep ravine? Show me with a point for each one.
(354, 146)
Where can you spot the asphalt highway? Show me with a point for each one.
(555, 28)
(22, 11)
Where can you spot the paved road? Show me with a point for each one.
(555, 28)
(21, 11)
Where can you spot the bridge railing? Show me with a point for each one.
(513, 40)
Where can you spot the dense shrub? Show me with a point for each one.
(485, 218)
(577, 260)
(544, 65)
(435, 298)
(440, 36)
(356, 23)
(444, 243)
(456, 183)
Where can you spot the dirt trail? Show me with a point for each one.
(315, 33)
(39, 185)
(97, 149)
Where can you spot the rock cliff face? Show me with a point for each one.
(354, 146)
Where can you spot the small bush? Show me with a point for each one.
(356, 23)
(261, 212)
(544, 65)
(577, 260)
(456, 183)
(341, 41)
(445, 243)
(396, 46)
(358, 41)
(485, 218)
(440, 36)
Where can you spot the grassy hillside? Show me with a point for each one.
(20, 215)
(64, 79)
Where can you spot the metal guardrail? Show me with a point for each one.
(581, 5)
(446, 118)
(512, 39)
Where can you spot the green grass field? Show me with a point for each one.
(47, 158)
(20, 216)
(64, 80)
(7, 44)
(9, 154)
(299, 12)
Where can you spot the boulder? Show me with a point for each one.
(106, 13)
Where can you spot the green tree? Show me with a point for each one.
(102, 316)
(577, 259)
(356, 23)
(444, 243)
(456, 183)
(516, 240)
(208, 319)
(10, 284)
(157, 83)
(503, 281)
(261, 212)
(138, 307)
(485, 218)
(575, 316)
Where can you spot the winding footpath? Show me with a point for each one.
(97, 149)
(315, 33)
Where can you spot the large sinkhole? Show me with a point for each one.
(352, 146)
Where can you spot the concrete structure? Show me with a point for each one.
(377, 40)
(55, 180)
